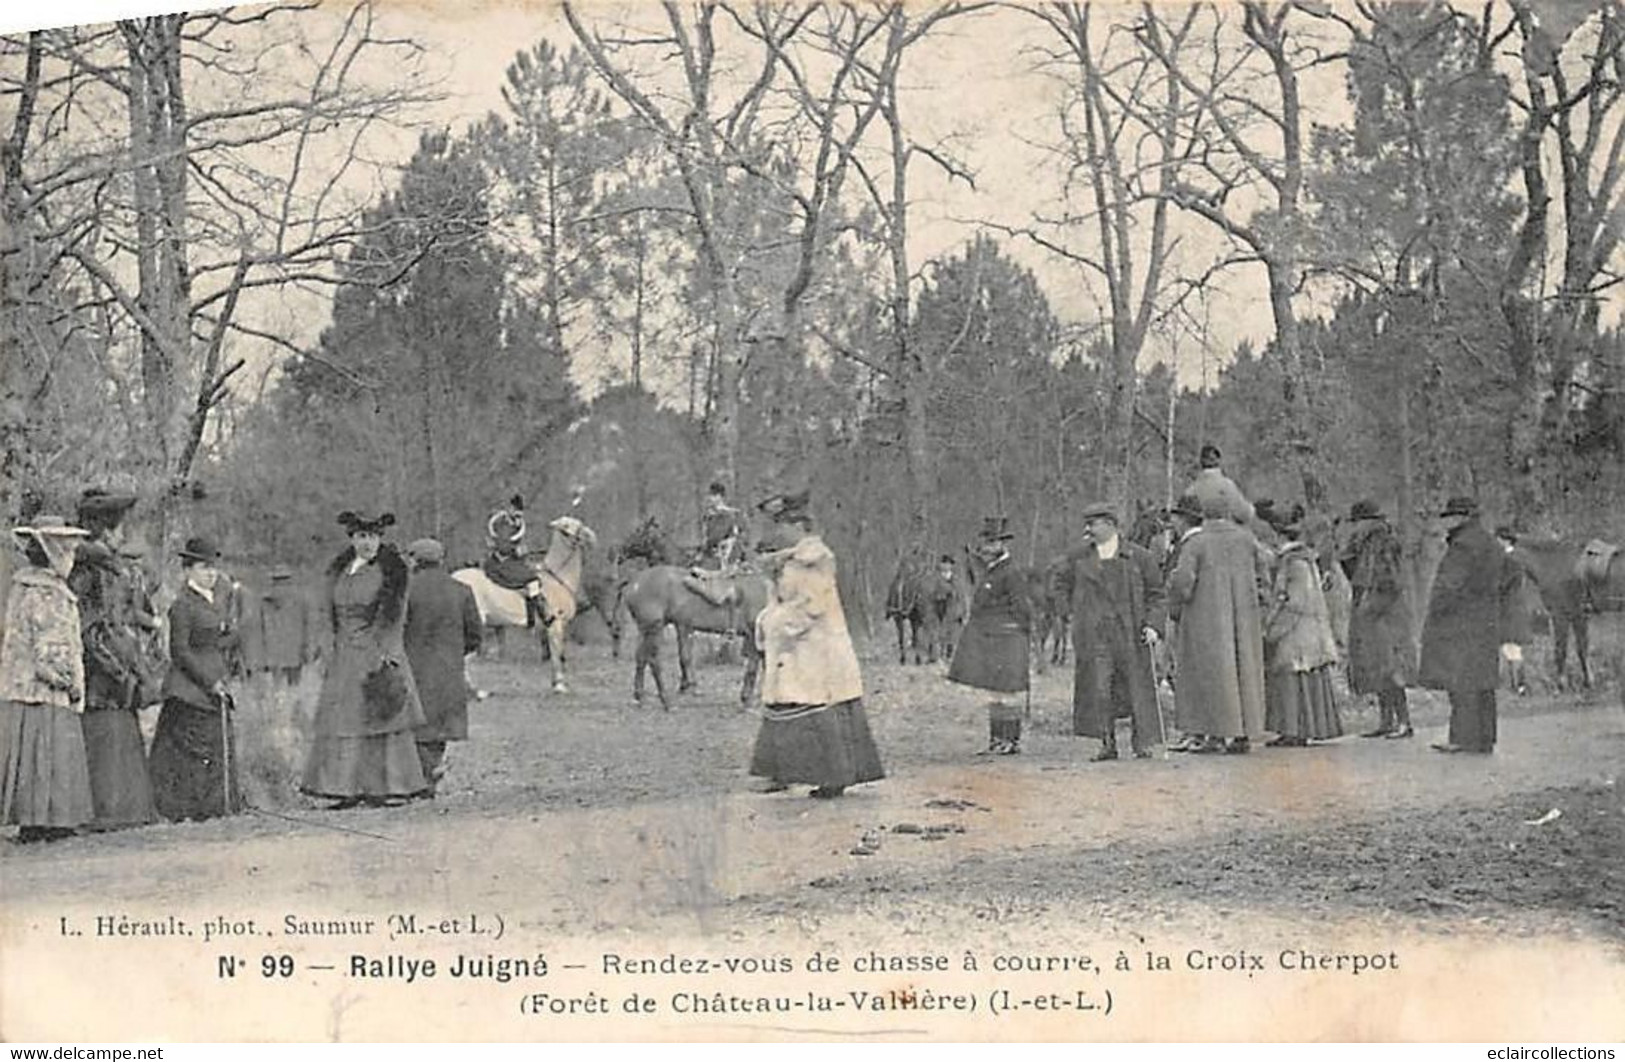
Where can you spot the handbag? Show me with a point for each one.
(383, 692)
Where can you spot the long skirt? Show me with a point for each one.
(44, 780)
(120, 787)
(380, 765)
(188, 763)
(825, 745)
(1300, 704)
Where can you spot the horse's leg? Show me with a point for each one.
(553, 635)
(753, 669)
(640, 661)
(649, 648)
(901, 622)
(1560, 647)
(685, 674)
(1582, 645)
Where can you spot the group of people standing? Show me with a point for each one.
(1250, 602)
(83, 652)
(1258, 608)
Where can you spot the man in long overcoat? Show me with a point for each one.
(442, 627)
(1214, 592)
(1463, 635)
(1115, 588)
(280, 628)
(1382, 645)
(992, 650)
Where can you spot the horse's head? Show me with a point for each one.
(573, 532)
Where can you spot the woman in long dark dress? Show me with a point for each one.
(365, 748)
(192, 753)
(117, 620)
(44, 784)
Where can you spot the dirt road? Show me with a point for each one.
(583, 818)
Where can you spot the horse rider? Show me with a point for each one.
(722, 527)
(505, 564)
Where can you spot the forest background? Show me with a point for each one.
(934, 262)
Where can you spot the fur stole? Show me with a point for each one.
(390, 601)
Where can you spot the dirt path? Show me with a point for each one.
(585, 819)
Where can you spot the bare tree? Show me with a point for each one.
(1573, 74)
(186, 166)
(1121, 147)
(1245, 168)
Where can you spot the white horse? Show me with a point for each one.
(560, 571)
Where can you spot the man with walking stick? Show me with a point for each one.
(1118, 610)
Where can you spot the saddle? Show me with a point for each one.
(1592, 564)
(715, 586)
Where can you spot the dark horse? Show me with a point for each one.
(925, 603)
(663, 596)
(657, 595)
(1573, 585)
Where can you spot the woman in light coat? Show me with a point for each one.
(44, 772)
(1299, 649)
(814, 729)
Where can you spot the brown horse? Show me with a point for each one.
(660, 596)
(1571, 597)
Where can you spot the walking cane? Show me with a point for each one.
(225, 750)
(1157, 680)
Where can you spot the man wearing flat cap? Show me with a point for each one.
(442, 628)
(1464, 633)
(1118, 613)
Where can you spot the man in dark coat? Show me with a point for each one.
(992, 650)
(442, 627)
(279, 628)
(1462, 639)
(1382, 646)
(1115, 588)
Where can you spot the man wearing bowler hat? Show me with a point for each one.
(1118, 612)
(1463, 636)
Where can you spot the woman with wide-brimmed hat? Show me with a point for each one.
(814, 729)
(364, 749)
(992, 650)
(193, 762)
(44, 780)
(122, 662)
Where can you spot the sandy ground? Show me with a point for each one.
(584, 826)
